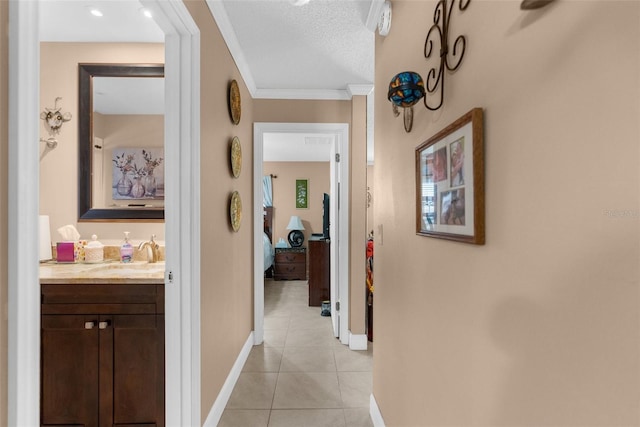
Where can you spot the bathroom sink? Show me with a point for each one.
(120, 269)
(104, 272)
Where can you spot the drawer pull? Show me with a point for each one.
(104, 325)
(89, 325)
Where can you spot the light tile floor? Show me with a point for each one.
(302, 376)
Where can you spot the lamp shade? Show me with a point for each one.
(295, 223)
(406, 89)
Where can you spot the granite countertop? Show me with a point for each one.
(107, 272)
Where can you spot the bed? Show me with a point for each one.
(268, 241)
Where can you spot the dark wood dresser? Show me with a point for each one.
(290, 264)
(319, 271)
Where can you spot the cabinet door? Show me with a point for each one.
(69, 370)
(138, 369)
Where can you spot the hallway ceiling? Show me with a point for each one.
(322, 49)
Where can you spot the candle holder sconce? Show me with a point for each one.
(408, 87)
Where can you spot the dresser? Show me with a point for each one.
(290, 264)
(319, 271)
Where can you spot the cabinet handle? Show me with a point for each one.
(104, 325)
(89, 325)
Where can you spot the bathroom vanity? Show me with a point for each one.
(102, 345)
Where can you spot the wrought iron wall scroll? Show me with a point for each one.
(440, 28)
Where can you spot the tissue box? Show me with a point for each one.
(66, 252)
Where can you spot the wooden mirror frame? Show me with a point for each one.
(86, 72)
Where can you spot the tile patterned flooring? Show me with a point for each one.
(301, 376)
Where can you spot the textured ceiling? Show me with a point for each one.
(300, 51)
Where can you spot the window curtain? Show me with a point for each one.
(267, 186)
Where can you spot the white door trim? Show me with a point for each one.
(182, 211)
(24, 177)
(182, 306)
(340, 275)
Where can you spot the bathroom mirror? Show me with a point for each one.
(121, 142)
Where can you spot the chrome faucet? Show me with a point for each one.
(153, 250)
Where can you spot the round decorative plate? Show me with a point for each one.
(235, 211)
(234, 102)
(236, 157)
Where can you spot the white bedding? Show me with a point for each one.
(268, 252)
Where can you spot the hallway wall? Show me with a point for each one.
(540, 325)
(227, 259)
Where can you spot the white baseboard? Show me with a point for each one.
(357, 342)
(374, 412)
(227, 388)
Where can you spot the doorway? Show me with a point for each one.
(182, 226)
(339, 215)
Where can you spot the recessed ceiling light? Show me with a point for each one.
(96, 12)
(146, 12)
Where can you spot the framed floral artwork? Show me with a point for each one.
(138, 174)
(450, 182)
(302, 193)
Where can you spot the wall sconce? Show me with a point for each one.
(405, 90)
(53, 120)
(450, 59)
(295, 237)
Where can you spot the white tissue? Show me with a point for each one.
(69, 233)
(281, 243)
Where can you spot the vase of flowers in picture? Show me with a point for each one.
(125, 164)
(149, 181)
(137, 189)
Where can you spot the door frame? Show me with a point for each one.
(182, 213)
(339, 207)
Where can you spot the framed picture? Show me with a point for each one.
(450, 182)
(137, 174)
(302, 193)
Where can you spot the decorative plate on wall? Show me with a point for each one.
(234, 102)
(235, 211)
(236, 157)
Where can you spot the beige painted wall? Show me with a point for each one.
(227, 257)
(540, 325)
(370, 221)
(58, 167)
(318, 174)
(4, 145)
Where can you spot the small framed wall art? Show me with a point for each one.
(302, 193)
(450, 182)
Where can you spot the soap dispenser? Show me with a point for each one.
(126, 250)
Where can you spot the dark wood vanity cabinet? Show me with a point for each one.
(102, 361)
